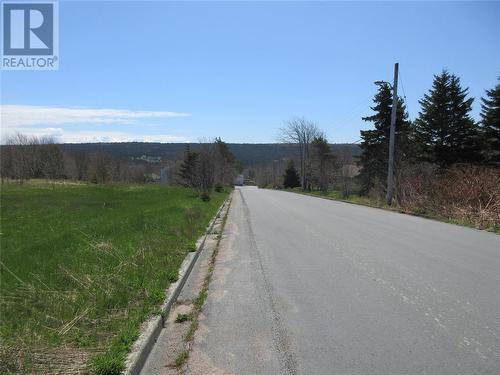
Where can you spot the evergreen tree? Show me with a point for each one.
(187, 171)
(375, 143)
(490, 124)
(291, 178)
(321, 160)
(445, 132)
(225, 164)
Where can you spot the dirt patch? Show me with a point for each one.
(50, 361)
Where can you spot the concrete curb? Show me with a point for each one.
(150, 330)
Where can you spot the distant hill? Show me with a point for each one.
(246, 153)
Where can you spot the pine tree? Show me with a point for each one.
(375, 143)
(291, 178)
(187, 170)
(445, 132)
(490, 124)
(225, 164)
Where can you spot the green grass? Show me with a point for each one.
(181, 318)
(83, 265)
(182, 358)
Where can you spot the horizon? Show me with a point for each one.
(188, 71)
(190, 143)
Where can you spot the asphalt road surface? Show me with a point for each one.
(304, 285)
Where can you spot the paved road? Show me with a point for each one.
(305, 285)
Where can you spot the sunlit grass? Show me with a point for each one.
(83, 265)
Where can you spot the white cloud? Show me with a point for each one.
(51, 121)
(91, 136)
(110, 136)
(16, 116)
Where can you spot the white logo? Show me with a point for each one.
(30, 35)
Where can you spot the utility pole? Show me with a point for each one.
(390, 172)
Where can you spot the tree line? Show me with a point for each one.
(445, 162)
(25, 157)
(315, 165)
(444, 133)
(211, 166)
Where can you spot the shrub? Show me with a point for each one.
(414, 187)
(465, 193)
(470, 193)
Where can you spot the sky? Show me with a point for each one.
(187, 71)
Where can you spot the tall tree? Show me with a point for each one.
(102, 162)
(82, 165)
(301, 132)
(205, 170)
(291, 177)
(225, 164)
(187, 171)
(321, 158)
(490, 124)
(375, 143)
(51, 160)
(445, 132)
(345, 170)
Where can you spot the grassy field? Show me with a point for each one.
(83, 265)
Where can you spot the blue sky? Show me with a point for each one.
(183, 71)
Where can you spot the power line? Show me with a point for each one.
(404, 95)
(392, 139)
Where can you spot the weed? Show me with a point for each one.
(84, 265)
(181, 318)
(108, 364)
(192, 247)
(182, 358)
(192, 329)
(202, 296)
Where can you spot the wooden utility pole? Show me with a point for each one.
(390, 172)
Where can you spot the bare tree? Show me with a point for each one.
(268, 175)
(100, 167)
(26, 164)
(346, 171)
(82, 165)
(6, 166)
(50, 158)
(263, 175)
(301, 132)
(18, 145)
(32, 157)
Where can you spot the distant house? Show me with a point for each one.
(238, 181)
(147, 159)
